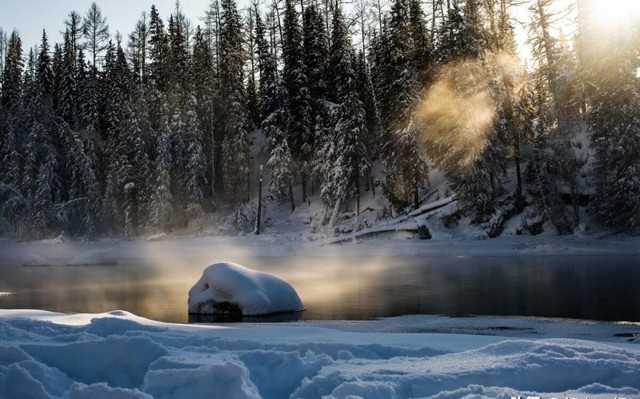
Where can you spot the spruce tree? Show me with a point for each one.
(372, 137)
(404, 163)
(178, 57)
(158, 50)
(343, 151)
(299, 132)
(195, 170)
(69, 101)
(161, 206)
(268, 92)
(42, 203)
(231, 147)
(44, 71)
(420, 42)
(315, 51)
(12, 75)
(57, 71)
(205, 91)
(616, 138)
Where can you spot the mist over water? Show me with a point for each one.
(351, 287)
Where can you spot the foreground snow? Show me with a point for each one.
(119, 355)
(255, 293)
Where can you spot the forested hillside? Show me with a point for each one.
(111, 135)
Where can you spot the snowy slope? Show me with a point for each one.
(119, 355)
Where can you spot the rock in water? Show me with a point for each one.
(234, 289)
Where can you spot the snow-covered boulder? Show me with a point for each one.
(227, 287)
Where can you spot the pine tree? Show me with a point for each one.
(451, 41)
(10, 174)
(315, 52)
(195, 158)
(158, 50)
(178, 57)
(231, 146)
(616, 137)
(120, 147)
(372, 138)
(57, 71)
(268, 92)
(32, 159)
(42, 203)
(382, 73)
(12, 75)
(205, 91)
(299, 132)
(161, 207)
(69, 100)
(44, 71)
(30, 90)
(404, 163)
(343, 151)
(473, 36)
(339, 58)
(253, 107)
(280, 164)
(420, 42)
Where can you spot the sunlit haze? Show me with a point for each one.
(613, 13)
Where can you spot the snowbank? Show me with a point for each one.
(229, 287)
(118, 355)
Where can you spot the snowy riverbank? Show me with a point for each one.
(119, 355)
(212, 248)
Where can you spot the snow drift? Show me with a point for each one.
(228, 287)
(122, 356)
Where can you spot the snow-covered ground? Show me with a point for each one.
(119, 355)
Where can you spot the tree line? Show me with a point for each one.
(104, 135)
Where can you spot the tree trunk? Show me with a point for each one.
(218, 177)
(303, 178)
(259, 213)
(519, 197)
(291, 198)
(335, 213)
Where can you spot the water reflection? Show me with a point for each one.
(352, 288)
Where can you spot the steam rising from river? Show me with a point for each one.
(457, 113)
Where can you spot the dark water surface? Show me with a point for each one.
(585, 287)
